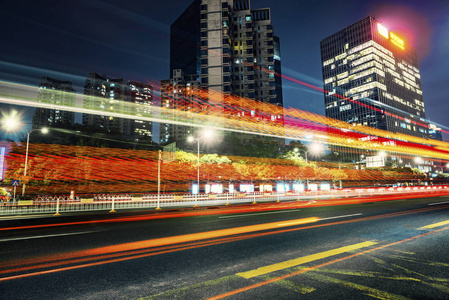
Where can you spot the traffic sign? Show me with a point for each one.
(15, 182)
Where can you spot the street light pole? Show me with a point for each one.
(198, 165)
(305, 154)
(26, 161)
(159, 180)
(12, 123)
(43, 130)
(206, 134)
(198, 174)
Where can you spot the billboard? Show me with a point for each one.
(375, 161)
(247, 188)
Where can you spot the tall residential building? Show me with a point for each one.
(371, 77)
(57, 92)
(142, 96)
(108, 96)
(177, 94)
(230, 48)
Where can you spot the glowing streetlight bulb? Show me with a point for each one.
(208, 133)
(10, 124)
(316, 148)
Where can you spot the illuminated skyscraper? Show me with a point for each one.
(230, 46)
(371, 77)
(230, 49)
(142, 96)
(57, 92)
(108, 96)
(177, 94)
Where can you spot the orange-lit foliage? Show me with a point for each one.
(58, 169)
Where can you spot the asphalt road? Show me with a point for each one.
(296, 250)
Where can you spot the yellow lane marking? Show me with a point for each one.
(302, 260)
(435, 225)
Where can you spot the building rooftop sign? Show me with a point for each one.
(390, 35)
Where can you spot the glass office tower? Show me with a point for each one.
(371, 77)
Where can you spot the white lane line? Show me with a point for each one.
(25, 217)
(43, 236)
(436, 203)
(256, 214)
(338, 217)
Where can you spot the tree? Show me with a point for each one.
(185, 157)
(214, 159)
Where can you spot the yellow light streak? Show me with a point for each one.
(216, 120)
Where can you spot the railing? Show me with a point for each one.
(62, 204)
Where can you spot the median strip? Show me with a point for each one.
(302, 260)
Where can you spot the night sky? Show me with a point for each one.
(130, 39)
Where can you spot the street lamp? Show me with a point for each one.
(13, 124)
(314, 148)
(206, 134)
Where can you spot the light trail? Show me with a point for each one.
(439, 203)
(258, 214)
(43, 236)
(265, 282)
(133, 250)
(301, 123)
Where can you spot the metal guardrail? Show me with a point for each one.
(57, 205)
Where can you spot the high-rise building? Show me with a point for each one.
(177, 94)
(371, 77)
(230, 48)
(142, 96)
(57, 92)
(108, 96)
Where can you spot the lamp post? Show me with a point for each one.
(43, 130)
(305, 154)
(206, 134)
(12, 124)
(314, 148)
(159, 180)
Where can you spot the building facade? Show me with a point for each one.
(142, 95)
(107, 96)
(58, 92)
(177, 94)
(371, 77)
(230, 48)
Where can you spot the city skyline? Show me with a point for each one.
(133, 42)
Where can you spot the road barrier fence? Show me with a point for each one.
(113, 202)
